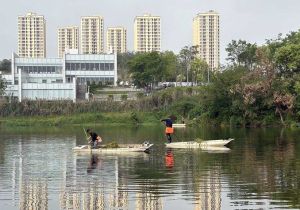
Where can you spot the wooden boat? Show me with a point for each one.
(122, 148)
(201, 145)
(179, 125)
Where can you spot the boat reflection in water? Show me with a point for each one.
(105, 185)
(40, 171)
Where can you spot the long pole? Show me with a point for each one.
(87, 138)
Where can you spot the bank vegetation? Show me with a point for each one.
(260, 86)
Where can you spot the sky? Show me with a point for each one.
(250, 20)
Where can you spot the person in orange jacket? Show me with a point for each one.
(169, 128)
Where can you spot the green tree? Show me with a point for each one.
(180, 78)
(242, 53)
(287, 58)
(2, 86)
(5, 66)
(123, 68)
(199, 69)
(186, 56)
(170, 64)
(146, 69)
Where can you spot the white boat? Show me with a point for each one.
(179, 125)
(122, 148)
(201, 145)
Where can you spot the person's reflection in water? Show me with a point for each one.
(94, 163)
(169, 158)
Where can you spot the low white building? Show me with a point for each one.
(59, 78)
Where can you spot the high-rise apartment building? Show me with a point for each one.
(92, 35)
(68, 39)
(206, 35)
(116, 38)
(32, 36)
(147, 33)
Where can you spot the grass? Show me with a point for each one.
(83, 119)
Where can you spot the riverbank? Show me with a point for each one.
(121, 118)
(197, 106)
(125, 118)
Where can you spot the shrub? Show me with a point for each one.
(124, 97)
(236, 121)
(134, 118)
(110, 97)
(140, 95)
(268, 120)
(196, 112)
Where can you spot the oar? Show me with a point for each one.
(85, 132)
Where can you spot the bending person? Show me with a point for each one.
(169, 129)
(94, 138)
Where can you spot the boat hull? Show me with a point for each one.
(201, 145)
(128, 148)
(178, 125)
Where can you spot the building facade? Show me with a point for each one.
(58, 78)
(206, 35)
(116, 40)
(92, 35)
(32, 36)
(147, 33)
(68, 39)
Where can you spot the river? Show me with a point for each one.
(39, 170)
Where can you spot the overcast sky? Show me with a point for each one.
(251, 20)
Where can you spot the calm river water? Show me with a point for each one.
(38, 170)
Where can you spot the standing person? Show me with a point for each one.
(169, 128)
(94, 138)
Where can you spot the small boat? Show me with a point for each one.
(179, 125)
(201, 145)
(122, 148)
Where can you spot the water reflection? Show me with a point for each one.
(34, 195)
(40, 171)
(169, 158)
(95, 163)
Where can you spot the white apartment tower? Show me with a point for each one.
(206, 35)
(116, 38)
(68, 39)
(92, 35)
(147, 33)
(32, 36)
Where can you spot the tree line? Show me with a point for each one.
(260, 85)
(145, 70)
